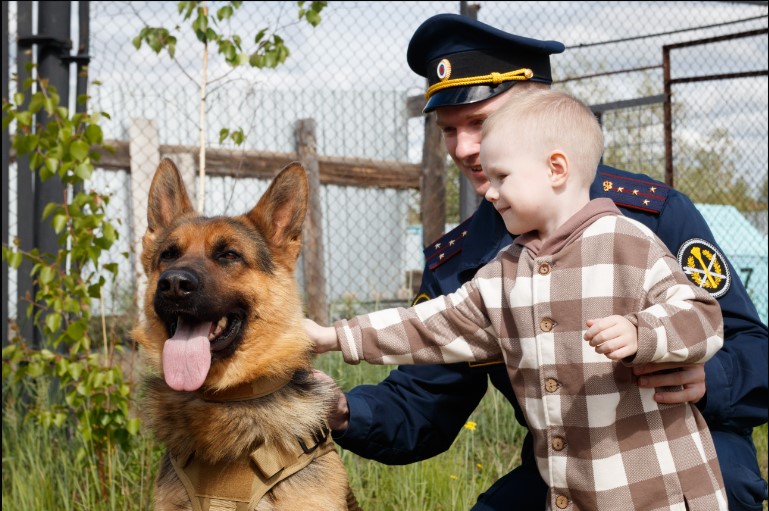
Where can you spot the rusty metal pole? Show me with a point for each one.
(468, 199)
(668, 113)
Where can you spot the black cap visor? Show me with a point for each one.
(465, 95)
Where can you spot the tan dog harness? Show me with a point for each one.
(240, 484)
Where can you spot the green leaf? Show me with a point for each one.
(18, 98)
(94, 134)
(84, 171)
(34, 369)
(52, 164)
(36, 103)
(59, 419)
(75, 370)
(133, 426)
(223, 133)
(238, 137)
(98, 380)
(49, 208)
(76, 329)
(59, 223)
(224, 13)
(79, 149)
(53, 322)
(14, 259)
(313, 18)
(47, 274)
(259, 35)
(24, 119)
(109, 232)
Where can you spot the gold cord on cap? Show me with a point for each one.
(493, 78)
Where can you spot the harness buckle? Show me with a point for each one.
(319, 437)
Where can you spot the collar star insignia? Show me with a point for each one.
(441, 256)
(451, 243)
(621, 189)
(635, 192)
(652, 189)
(646, 202)
(437, 246)
(464, 233)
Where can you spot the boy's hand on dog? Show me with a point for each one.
(324, 337)
(339, 416)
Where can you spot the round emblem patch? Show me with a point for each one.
(444, 69)
(705, 266)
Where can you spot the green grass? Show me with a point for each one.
(41, 469)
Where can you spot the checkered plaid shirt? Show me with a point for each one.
(601, 441)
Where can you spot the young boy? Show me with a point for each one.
(561, 307)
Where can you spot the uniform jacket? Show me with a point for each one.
(593, 426)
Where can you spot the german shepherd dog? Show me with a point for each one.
(229, 391)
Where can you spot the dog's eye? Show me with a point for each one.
(169, 254)
(229, 255)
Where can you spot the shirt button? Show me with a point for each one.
(561, 501)
(544, 268)
(546, 324)
(558, 443)
(551, 385)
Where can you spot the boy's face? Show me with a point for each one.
(519, 179)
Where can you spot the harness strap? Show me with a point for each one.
(240, 484)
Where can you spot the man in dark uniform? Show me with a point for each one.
(418, 411)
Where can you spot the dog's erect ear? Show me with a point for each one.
(168, 197)
(280, 212)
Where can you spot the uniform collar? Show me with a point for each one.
(486, 236)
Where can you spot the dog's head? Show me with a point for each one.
(222, 305)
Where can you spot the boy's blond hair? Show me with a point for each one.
(556, 118)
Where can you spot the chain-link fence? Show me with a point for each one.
(349, 75)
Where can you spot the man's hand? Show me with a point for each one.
(691, 377)
(339, 416)
(324, 337)
(613, 336)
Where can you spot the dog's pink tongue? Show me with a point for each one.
(187, 356)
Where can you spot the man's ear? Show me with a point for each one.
(558, 164)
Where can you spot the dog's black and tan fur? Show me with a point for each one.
(237, 419)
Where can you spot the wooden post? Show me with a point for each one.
(5, 182)
(144, 150)
(433, 182)
(312, 232)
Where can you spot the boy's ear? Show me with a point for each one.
(558, 164)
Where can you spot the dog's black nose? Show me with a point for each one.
(178, 283)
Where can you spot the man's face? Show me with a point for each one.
(461, 127)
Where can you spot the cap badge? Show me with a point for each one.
(444, 69)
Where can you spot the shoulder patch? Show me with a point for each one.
(447, 246)
(705, 266)
(634, 193)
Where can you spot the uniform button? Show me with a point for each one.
(551, 385)
(561, 501)
(546, 324)
(544, 269)
(558, 443)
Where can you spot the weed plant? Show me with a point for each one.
(41, 470)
